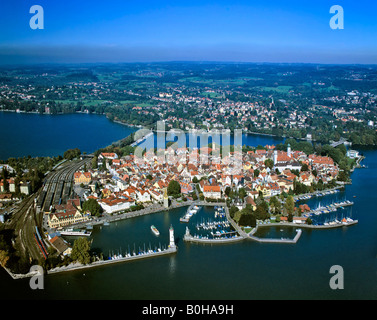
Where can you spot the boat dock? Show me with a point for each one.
(127, 258)
(322, 193)
(192, 209)
(329, 208)
(229, 237)
(219, 240)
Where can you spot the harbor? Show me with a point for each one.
(212, 227)
(192, 210)
(118, 256)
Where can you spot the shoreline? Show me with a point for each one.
(188, 238)
(283, 137)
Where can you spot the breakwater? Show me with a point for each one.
(277, 240)
(79, 266)
(212, 241)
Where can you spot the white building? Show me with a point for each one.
(352, 154)
(112, 204)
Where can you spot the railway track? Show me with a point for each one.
(23, 223)
(58, 186)
(26, 219)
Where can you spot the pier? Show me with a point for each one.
(192, 209)
(329, 208)
(128, 258)
(321, 193)
(190, 238)
(277, 240)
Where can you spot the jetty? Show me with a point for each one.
(192, 209)
(329, 208)
(127, 258)
(320, 193)
(233, 237)
(277, 240)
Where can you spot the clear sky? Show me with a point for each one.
(159, 30)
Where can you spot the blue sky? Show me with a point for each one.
(247, 31)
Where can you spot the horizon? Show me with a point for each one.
(88, 64)
(196, 31)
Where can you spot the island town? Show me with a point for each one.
(263, 189)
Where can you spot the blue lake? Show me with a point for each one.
(23, 134)
(50, 135)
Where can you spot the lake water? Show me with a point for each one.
(244, 270)
(51, 135)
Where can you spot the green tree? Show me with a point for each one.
(269, 163)
(304, 167)
(275, 205)
(232, 211)
(92, 206)
(261, 213)
(81, 251)
(289, 205)
(247, 219)
(242, 193)
(72, 153)
(174, 188)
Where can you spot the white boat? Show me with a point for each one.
(75, 232)
(155, 231)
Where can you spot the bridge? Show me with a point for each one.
(334, 144)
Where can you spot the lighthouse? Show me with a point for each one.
(171, 237)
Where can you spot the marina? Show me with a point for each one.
(330, 208)
(212, 227)
(118, 256)
(316, 194)
(192, 210)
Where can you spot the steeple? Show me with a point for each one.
(289, 150)
(166, 198)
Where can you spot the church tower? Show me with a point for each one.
(275, 157)
(166, 198)
(289, 151)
